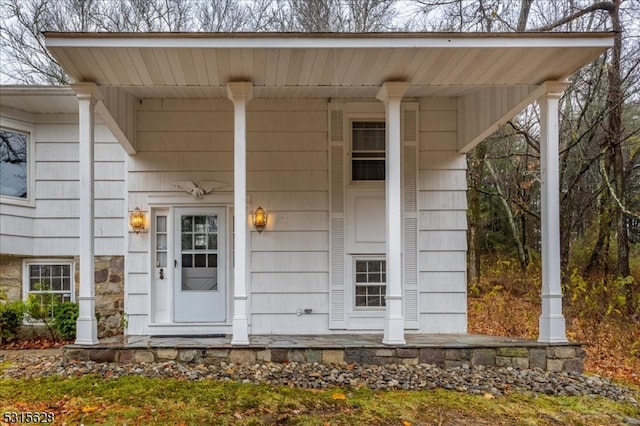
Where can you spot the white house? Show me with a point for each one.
(353, 144)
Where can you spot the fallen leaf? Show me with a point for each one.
(488, 396)
(89, 409)
(406, 423)
(339, 395)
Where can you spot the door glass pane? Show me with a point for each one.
(187, 241)
(199, 252)
(213, 223)
(200, 223)
(213, 241)
(161, 224)
(201, 241)
(161, 243)
(200, 260)
(187, 225)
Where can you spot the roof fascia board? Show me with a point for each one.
(89, 41)
(24, 90)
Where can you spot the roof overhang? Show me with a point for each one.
(320, 65)
(492, 75)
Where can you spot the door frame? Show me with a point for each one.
(160, 323)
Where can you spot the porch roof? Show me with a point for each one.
(492, 75)
(319, 65)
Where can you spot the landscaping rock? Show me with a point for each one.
(470, 379)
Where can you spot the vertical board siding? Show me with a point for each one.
(52, 228)
(441, 220)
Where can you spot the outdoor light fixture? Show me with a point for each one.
(259, 219)
(136, 220)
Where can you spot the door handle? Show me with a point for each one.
(175, 263)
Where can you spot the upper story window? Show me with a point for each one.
(367, 150)
(14, 164)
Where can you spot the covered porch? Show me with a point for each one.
(483, 81)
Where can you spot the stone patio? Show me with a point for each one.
(443, 350)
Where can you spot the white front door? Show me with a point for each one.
(200, 285)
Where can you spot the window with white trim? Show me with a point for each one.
(14, 164)
(368, 150)
(371, 282)
(50, 281)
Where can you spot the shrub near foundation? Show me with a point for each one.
(64, 319)
(11, 314)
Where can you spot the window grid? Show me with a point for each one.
(161, 241)
(50, 283)
(370, 278)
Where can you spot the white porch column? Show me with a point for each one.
(391, 94)
(552, 324)
(86, 326)
(240, 93)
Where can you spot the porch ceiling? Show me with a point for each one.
(199, 65)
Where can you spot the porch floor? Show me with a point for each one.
(323, 341)
(443, 350)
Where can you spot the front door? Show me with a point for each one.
(200, 285)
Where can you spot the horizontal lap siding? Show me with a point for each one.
(51, 227)
(442, 221)
(287, 174)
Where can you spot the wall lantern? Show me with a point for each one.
(137, 220)
(259, 219)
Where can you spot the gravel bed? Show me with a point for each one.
(474, 380)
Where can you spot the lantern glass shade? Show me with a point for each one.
(136, 220)
(259, 219)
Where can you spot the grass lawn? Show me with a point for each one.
(141, 401)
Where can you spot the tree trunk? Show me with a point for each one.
(475, 178)
(522, 256)
(614, 143)
(599, 258)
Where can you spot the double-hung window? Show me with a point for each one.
(371, 282)
(367, 150)
(49, 281)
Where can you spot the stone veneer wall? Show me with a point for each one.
(109, 288)
(11, 276)
(546, 357)
(109, 281)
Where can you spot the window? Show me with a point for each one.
(14, 164)
(371, 282)
(367, 150)
(50, 281)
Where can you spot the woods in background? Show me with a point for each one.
(600, 112)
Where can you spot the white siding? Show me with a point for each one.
(442, 220)
(287, 174)
(50, 226)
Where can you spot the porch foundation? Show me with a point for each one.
(459, 351)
